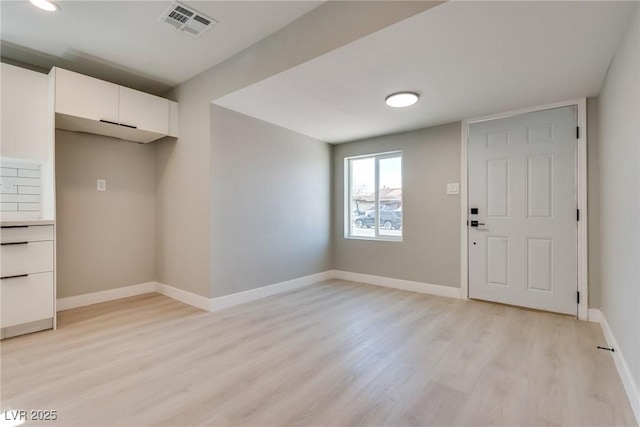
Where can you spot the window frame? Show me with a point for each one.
(348, 180)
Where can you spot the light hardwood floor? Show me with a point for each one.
(333, 354)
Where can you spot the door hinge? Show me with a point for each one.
(578, 297)
(577, 132)
(577, 214)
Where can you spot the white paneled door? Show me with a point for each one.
(523, 210)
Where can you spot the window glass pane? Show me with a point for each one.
(362, 209)
(390, 196)
(374, 202)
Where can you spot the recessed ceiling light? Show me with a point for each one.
(47, 5)
(401, 99)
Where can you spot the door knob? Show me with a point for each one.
(476, 223)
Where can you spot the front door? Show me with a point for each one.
(522, 184)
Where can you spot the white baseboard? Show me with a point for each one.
(219, 303)
(265, 291)
(203, 303)
(189, 298)
(129, 291)
(103, 296)
(594, 315)
(406, 285)
(630, 385)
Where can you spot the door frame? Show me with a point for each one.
(581, 180)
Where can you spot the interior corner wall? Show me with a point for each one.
(182, 172)
(619, 137)
(271, 204)
(430, 250)
(593, 202)
(105, 240)
(183, 249)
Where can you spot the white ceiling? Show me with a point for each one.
(466, 59)
(127, 34)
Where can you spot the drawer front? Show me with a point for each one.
(30, 233)
(26, 258)
(26, 299)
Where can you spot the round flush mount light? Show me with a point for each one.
(401, 99)
(47, 5)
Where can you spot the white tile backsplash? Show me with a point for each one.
(28, 207)
(27, 190)
(19, 187)
(8, 207)
(10, 190)
(11, 180)
(28, 173)
(8, 172)
(24, 198)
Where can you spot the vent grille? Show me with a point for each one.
(187, 20)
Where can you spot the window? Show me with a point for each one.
(374, 197)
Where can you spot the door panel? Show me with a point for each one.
(498, 188)
(498, 260)
(540, 264)
(540, 186)
(522, 179)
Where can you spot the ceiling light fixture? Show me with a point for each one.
(47, 5)
(401, 99)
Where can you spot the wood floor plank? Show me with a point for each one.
(333, 354)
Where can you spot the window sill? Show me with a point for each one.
(375, 239)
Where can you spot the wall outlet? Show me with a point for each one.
(453, 188)
(102, 185)
(7, 185)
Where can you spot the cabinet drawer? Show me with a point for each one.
(30, 233)
(32, 257)
(26, 299)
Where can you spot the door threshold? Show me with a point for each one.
(537, 310)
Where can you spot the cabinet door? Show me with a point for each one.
(26, 299)
(144, 111)
(25, 113)
(86, 97)
(174, 119)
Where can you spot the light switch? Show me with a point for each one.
(102, 185)
(453, 188)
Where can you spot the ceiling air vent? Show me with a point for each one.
(187, 19)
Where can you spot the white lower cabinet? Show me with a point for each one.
(27, 282)
(26, 258)
(27, 299)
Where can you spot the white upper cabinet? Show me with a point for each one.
(173, 119)
(143, 111)
(90, 105)
(26, 128)
(82, 96)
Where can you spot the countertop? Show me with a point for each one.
(19, 222)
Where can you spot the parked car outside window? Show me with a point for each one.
(388, 220)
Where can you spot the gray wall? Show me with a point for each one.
(182, 196)
(430, 250)
(183, 168)
(619, 136)
(271, 203)
(105, 240)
